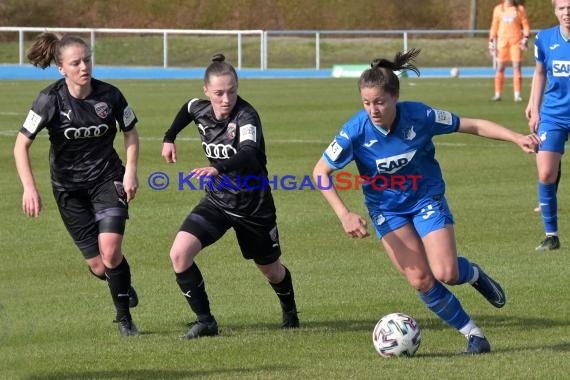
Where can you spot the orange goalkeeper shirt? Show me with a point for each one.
(509, 23)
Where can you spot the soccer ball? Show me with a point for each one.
(396, 334)
(454, 72)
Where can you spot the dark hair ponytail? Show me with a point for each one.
(382, 71)
(44, 49)
(47, 48)
(218, 57)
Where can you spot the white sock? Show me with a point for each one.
(471, 329)
(475, 275)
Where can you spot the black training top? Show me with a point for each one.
(81, 132)
(236, 148)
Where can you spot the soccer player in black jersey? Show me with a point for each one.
(91, 186)
(232, 140)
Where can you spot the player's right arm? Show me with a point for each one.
(31, 200)
(537, 91)
(528, 110)
(182, 119)
(353, 224)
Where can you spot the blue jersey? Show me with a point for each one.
(402, 160)
(553, 51)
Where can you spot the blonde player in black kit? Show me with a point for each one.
(232, 140)
(91, 186)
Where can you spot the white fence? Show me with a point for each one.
(270, 48)
(165, 33)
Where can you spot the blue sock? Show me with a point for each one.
(466, 271)
(548, 206)
(445, 305)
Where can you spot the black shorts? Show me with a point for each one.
(257, 237)
(81, 210)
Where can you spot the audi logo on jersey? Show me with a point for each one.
(218, 151)
(86, 132)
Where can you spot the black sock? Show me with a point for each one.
(192, 285)
(284, 291)
(119, 280)
(100, 277)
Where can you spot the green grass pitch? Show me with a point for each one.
(56, 319)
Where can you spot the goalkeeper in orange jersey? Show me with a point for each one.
(508, 38)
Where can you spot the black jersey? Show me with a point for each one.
(81, 132)
(236, 148)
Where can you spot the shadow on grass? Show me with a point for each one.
(486, 321)
(561, 347)
(346, 325)
(146, 374)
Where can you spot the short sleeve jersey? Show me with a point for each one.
(81, 132)
(403, 161)
(509, 22)
(242, 190)
(552, 50)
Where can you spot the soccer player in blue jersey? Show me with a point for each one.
(549, 114)
(389, 138)
(91, 185)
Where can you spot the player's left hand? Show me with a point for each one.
(533, 122)
(523, 44)
(492, 47)
(130, 185)
(529, 143)
(208, 171)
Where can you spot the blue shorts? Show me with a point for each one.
(433, 214)
(553, 136)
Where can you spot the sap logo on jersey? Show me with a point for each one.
(561, 68)
(393, 164)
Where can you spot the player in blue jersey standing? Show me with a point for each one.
(549, 114)
(389, 139)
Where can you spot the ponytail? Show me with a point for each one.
(382, 71)
(47, 47)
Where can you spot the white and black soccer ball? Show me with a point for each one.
(396, 334)
(454, 72)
